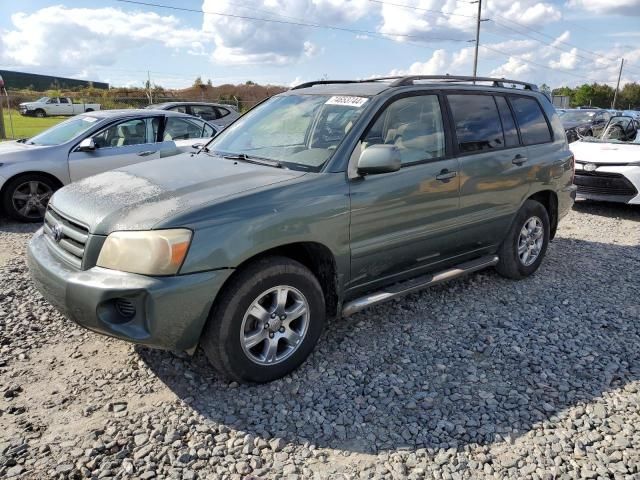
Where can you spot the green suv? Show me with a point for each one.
(319, 202)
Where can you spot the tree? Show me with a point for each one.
(629, 96)
(594, 95)
(546, 89)
(197, 82)
(209, 84)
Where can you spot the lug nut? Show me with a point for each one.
(271, 335)
(266, 326)
(281, 329)
(283, 317)
(273, 315)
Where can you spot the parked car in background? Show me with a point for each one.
(216, 113)
(32, 169)
(632, 113)
(584, 123)
(321, 201)
(55, 106)
(608, 167)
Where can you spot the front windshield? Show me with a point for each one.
(42, 100)
(577, 116)
(300, 131)
(65, 131)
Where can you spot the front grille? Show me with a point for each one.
(604, 183)
(67, 238)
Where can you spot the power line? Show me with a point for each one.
(531, 62)
(555, 40)
(298, 24)
(611, 59)
(411, 7)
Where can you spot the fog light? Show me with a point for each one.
(125, 308)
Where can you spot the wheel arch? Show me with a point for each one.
(317, 257)
(549, 199)
(57, 182)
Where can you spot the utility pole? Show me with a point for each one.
(615, 95)
(149, 87)
(475, 56)
(3, 134)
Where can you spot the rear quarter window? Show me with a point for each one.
(532, 122)
(477, 122)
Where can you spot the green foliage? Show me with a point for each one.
(601, 95)
(197, 82)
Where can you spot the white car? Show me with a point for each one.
(608, 167)
(56, 106)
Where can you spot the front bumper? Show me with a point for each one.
(168, 312)
(615, 183)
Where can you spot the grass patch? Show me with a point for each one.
(25, 127)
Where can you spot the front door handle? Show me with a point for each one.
(519, 159)
(446, 175)
(147, 153)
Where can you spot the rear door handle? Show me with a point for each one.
(147, 153)
(445, 175)
(519, 159)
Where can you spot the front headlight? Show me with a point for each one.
(155, 252)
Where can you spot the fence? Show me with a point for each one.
(18, 126)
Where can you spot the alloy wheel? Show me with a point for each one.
(275, 325)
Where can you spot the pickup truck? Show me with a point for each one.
(56, 106)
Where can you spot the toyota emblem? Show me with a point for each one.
(56, 231)
(590, 167)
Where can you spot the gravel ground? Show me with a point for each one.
(478, 378)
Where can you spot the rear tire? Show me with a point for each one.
(89, 110)
(256, 331)
(525, 245)
(25, 198)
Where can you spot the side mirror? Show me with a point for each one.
(379, 159)
(87, 145)
(197, 146)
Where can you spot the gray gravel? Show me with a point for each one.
(478, 378)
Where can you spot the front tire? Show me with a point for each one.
(265, 322)
(524, 247)
(40, 113)
(25, 198)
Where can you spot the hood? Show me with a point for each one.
(139, 196)
(606, 153)
(14, 151)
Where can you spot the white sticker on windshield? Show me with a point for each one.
(347, 101)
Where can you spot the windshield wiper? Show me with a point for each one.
(243, 157)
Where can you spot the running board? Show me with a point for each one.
(410, 286)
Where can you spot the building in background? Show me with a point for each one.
(33, 81)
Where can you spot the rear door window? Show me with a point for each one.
(206, 112)
(179, 108)
(532, 122)
(477, 122)
(508, 124)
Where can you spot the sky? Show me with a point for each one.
(286, 42)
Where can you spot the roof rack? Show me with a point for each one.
(402, 81)
(330, 82)
(497, 82)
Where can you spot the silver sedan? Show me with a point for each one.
(87, 144)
